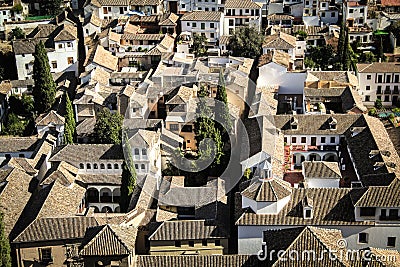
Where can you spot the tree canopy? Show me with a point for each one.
(17, 33)
(319, 57)
(246, 42)
(128, 182)
(108, 127)
(44, 91)
(51, 7)
(5, 250)
(199, 45)
(222, 115)
(70, 125)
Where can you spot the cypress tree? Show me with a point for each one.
(128, 180)
(108, 127)
(342, 36)
(70, 125)
(44, 92)
(222, 110)
(346, 57)
(4, 245)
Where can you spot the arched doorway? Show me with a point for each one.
(92, 195)
(106, 209)
(105, 195)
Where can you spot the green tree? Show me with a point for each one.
(346, 55)
(70, 125)
(17, 33)
(44, 92)
(15, 126)
(222, 115)
(108, 127)
(4, 245)
(342, 36)
(128, 181)
(199, 45)
(367, 57)
(378, 103)
(246, 42)
(206, 130)
(301, 35)
(17, 8)
(51, 7)
(319, 57)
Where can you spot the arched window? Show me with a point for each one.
(109, 166)
(142, 167)
(81, 166)
(88, 166)
(136, 166)
(144, 152)
(95, 166)
(136, 151)
(116, 166)
(102, 166)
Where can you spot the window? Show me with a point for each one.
(211, 25)
(70, 60)
(88, 166)
(303, 140)
(69, 44)
(116, 166)
(136, 166)
(121, 10)
(54, 64)
(183, 5)
(81, 166)
(204, 242)
(191, 243)
(142, 167)
(333, 140)
(217, 242)
(27, 66)
(95, 166)
(323, 14)
(379, 89)
(367, 87)
(60, 46)
(393, 213)
(308, 214)
(136, 151)
(174, 127)
(144, 152)
(396, 89)
(109, 166)
(323, 139)
(396, 78)
(4, 13)
(178, 244)
(45, 255)
(102, 166)
(351, 10)
(105, 10)
(379, 78)
(212, 35)
(388, 79)
(194, 24)
(294, 139)
(387, 98)
(391, 241)
(333, 14)
(362, 10)
(363, 238)
(367, 98)
(203, 26)
(367, 212)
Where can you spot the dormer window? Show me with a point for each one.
(373, 153)
(308, 213)
(378, 165)
(294, 123)
(332, 123)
